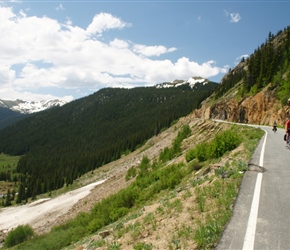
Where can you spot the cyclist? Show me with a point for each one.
(274, 126)
(287, 128)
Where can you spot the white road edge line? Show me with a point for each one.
(252, 222)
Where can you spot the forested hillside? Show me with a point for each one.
(8, 117)
(270, 63)
(60, 144)
(257, 90)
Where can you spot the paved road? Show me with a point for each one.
(261, 218)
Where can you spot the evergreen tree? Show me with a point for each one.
(8, 198)
(21, 193)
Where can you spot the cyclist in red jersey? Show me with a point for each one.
(287, 128)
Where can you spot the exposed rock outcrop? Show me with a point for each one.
(262, 108)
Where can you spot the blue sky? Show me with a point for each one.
(71, 49)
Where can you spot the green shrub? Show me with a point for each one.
(166, 154)
(144, 165)
(185, 132)
(226, 141)
(18, 235)
(223, 142)
(131, 173)
(190, 155)
(201, 151)
(194, 166)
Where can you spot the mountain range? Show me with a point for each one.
(12, 111)
(29, 107)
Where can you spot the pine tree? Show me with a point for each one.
(21, 193)
(8, 198)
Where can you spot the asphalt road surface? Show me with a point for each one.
(261, 218)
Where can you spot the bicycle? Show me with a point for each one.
(288, 142)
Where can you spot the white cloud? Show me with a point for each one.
(68, 21)
(234, 17)
(103, 22)
(22, 13)
(242, 56)
(6, 74)
(38, 53)
(60, 7)
(151, 50)
(239, 58)
(117, 43)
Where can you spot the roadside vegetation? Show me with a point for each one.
(18, 235)
(178, 184)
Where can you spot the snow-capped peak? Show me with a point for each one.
(194, 80)
(29, 107)
(191, 82)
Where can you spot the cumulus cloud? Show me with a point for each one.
(39, 53)
(103, 22)
(149, 51)
(234, 17)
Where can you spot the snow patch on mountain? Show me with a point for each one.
(176, 83)
(29, 107)
(32, 107)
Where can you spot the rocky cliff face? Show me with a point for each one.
(262, 108)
